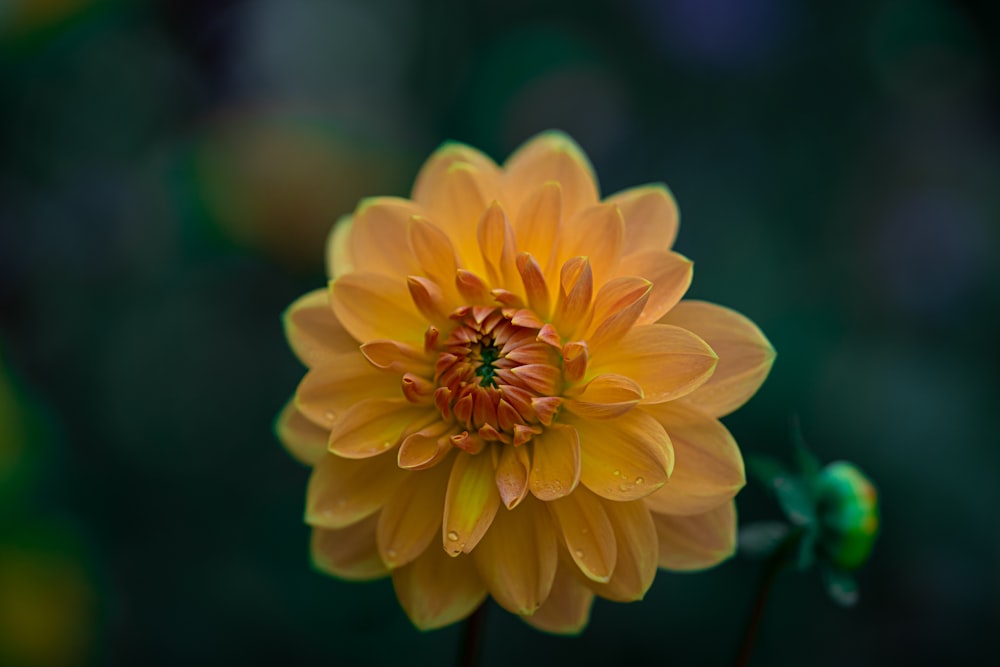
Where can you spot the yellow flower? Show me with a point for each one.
(507, 396)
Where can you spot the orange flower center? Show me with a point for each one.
(496, 378)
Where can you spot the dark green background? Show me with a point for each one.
(168, 171)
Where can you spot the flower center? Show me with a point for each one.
(495, 377)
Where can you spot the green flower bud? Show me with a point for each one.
(848, 514)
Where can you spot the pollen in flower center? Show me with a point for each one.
(495, 378)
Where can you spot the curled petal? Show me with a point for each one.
(397, 357)
(373, 306)
(708, 469)
(313, 331)
(424, 448)
(498, 247)
(553, 156)
(668, 362)
(344, 491)
(303, 439)
(651, 217)
(535, 286)
(555, 463)
(745, 354)
(670, 274)
(567, 609)
(617, 307)
(411, 517)
(378, 239)
(698, 541)
(327, 392)
(350, 552)
(517, 557)
(605, 397)
(587, 533)
(635, 535)
(375, 425)
(436, 590)
(470, 504)
(576, 289)
(512, 475)
(625, 458)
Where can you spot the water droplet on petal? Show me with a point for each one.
(453, 536)
(391, 553)
(578, 553)
(617, 472)
(329, 416)
(639, 480)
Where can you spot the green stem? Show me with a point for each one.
(472, 638)
(774, 564)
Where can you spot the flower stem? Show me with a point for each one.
(472, 638)
(774, 564)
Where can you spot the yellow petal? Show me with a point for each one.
(348, 553)
(696, 542)
(668, 362)
(375, 425)
(617, 307)
(651, 217)
(303, 439)
(517, 557)
(567, 609)
(344, 491)
(431, 180)
(339, 256)
(624, 458)
(378, 239)
(553, 156)
(456, 205)
(708, 469)
(328, 391)
(471, 502)
(512, 475)
(411, 517)
(596, 233)
(669, 272)
(373, 306)
(313, 331)
(391, 355)
(576, 289)
(745, 354)
(555, 462)
(434, 252)
(425, 448)
(587, 533)
(538, 221)
(498, 248)
(605, 397)
(635, 535)
(436, 590)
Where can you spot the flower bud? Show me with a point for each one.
(848, 514)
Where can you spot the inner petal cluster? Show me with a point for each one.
(496, 378)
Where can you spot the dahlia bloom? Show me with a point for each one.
(506, 395)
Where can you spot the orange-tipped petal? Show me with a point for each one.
(567, 609)
(344, 491)
(328, 391)
(596, 233)
(635, 535)
(669, 272)
(708, 469)
(535, 285)
(517, 557)
(668, 362)
(303, 439)
(313, 331)
(424, 448)
(745, 354)
(553, 156)
(373, 306)
(429, 300)
(391, 355)
(555, 462)
(378, 239)
(696, 542)
(376, 425)
(605, 397)
(538, 221)
(512, 475)
(625, 458)
(587, 533)
(349, 553)
(435, 590)
(411, 517)
(576, 289)
(498, 247)
(618, 305)
(470, 504)
(339, 256)
(434, 252)
(651, 218)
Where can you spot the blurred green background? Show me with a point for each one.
(168, 171)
